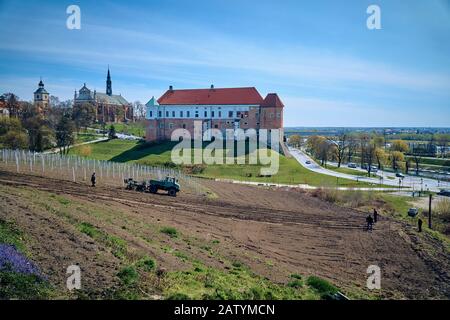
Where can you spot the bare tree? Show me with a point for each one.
(341, 144)
(352, 146)
(139, 109)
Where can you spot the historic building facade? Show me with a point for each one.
(41, 98)
(109, 107)
(218, 108)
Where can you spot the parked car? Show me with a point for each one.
(374, 169)
(308, 162)
(444, 192)
(412, 212)
(351, 165)
(399, 175)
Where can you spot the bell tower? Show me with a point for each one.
(108, 84)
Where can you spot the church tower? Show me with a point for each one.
(108, 84)
(41, 97)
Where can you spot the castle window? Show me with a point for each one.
(230, 114)
(159, 114)
(206, 114)
(220, 114)
(151, 114)
(181, 114)
(278, 115)
(188, 113)
(167, 114)
(161, 125)
(216, 126)
(196, 114)
(184, 126)
(173, 114)
(212, 114)
(170, 125)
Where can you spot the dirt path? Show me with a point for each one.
(275, 233)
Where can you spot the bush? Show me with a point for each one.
(172, 232)
(322, 286)
(194, 169)
(128, 275)
(178, 296)
(148, 264)
(443, 209)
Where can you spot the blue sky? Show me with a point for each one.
(319, 56)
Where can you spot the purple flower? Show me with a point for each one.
(13, 260)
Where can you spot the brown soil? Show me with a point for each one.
(274, 232)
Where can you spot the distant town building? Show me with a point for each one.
(218, 108)
(109, 107)
(41, 98)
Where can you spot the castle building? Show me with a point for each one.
(109, 107)
(218, 108)
(41, 98)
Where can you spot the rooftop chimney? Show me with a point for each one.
(212, 86)
(171, 88)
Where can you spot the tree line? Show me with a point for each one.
(370, 149)
(27, 127)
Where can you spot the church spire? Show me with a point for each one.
(108, 84)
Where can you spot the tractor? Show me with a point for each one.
(169, 184)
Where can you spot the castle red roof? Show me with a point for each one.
(211, 96)
(272, 100)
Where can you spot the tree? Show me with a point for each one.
(396, 157)
(295, 140)
(12, 103)
(399, 145)
(139, 109)
(65, 134)
(370, 155)
(54, 102)
(442, 141)
(380, 157)
(112, 132)
(12, 134)
(341, 144)
(15, 140)
(83, 115)
(364, 140)
(352, 146)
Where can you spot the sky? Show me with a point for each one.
(327, 67)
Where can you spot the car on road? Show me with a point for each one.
(444, 192)
(374, 169)
(308, 162)
(412, 212)
(399, 175)
(351, 165)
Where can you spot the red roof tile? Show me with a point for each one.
(272, 100)
(212, 96)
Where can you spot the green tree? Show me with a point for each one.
(83, 115)
(65, 134)
(112, 132)
(295, 140)
(399, 145)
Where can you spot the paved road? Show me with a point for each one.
(416, 183)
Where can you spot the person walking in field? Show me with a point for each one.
(369, 221)
(419, 224)
(375, 215)
(93, 179)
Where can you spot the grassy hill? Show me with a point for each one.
(290, 171)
